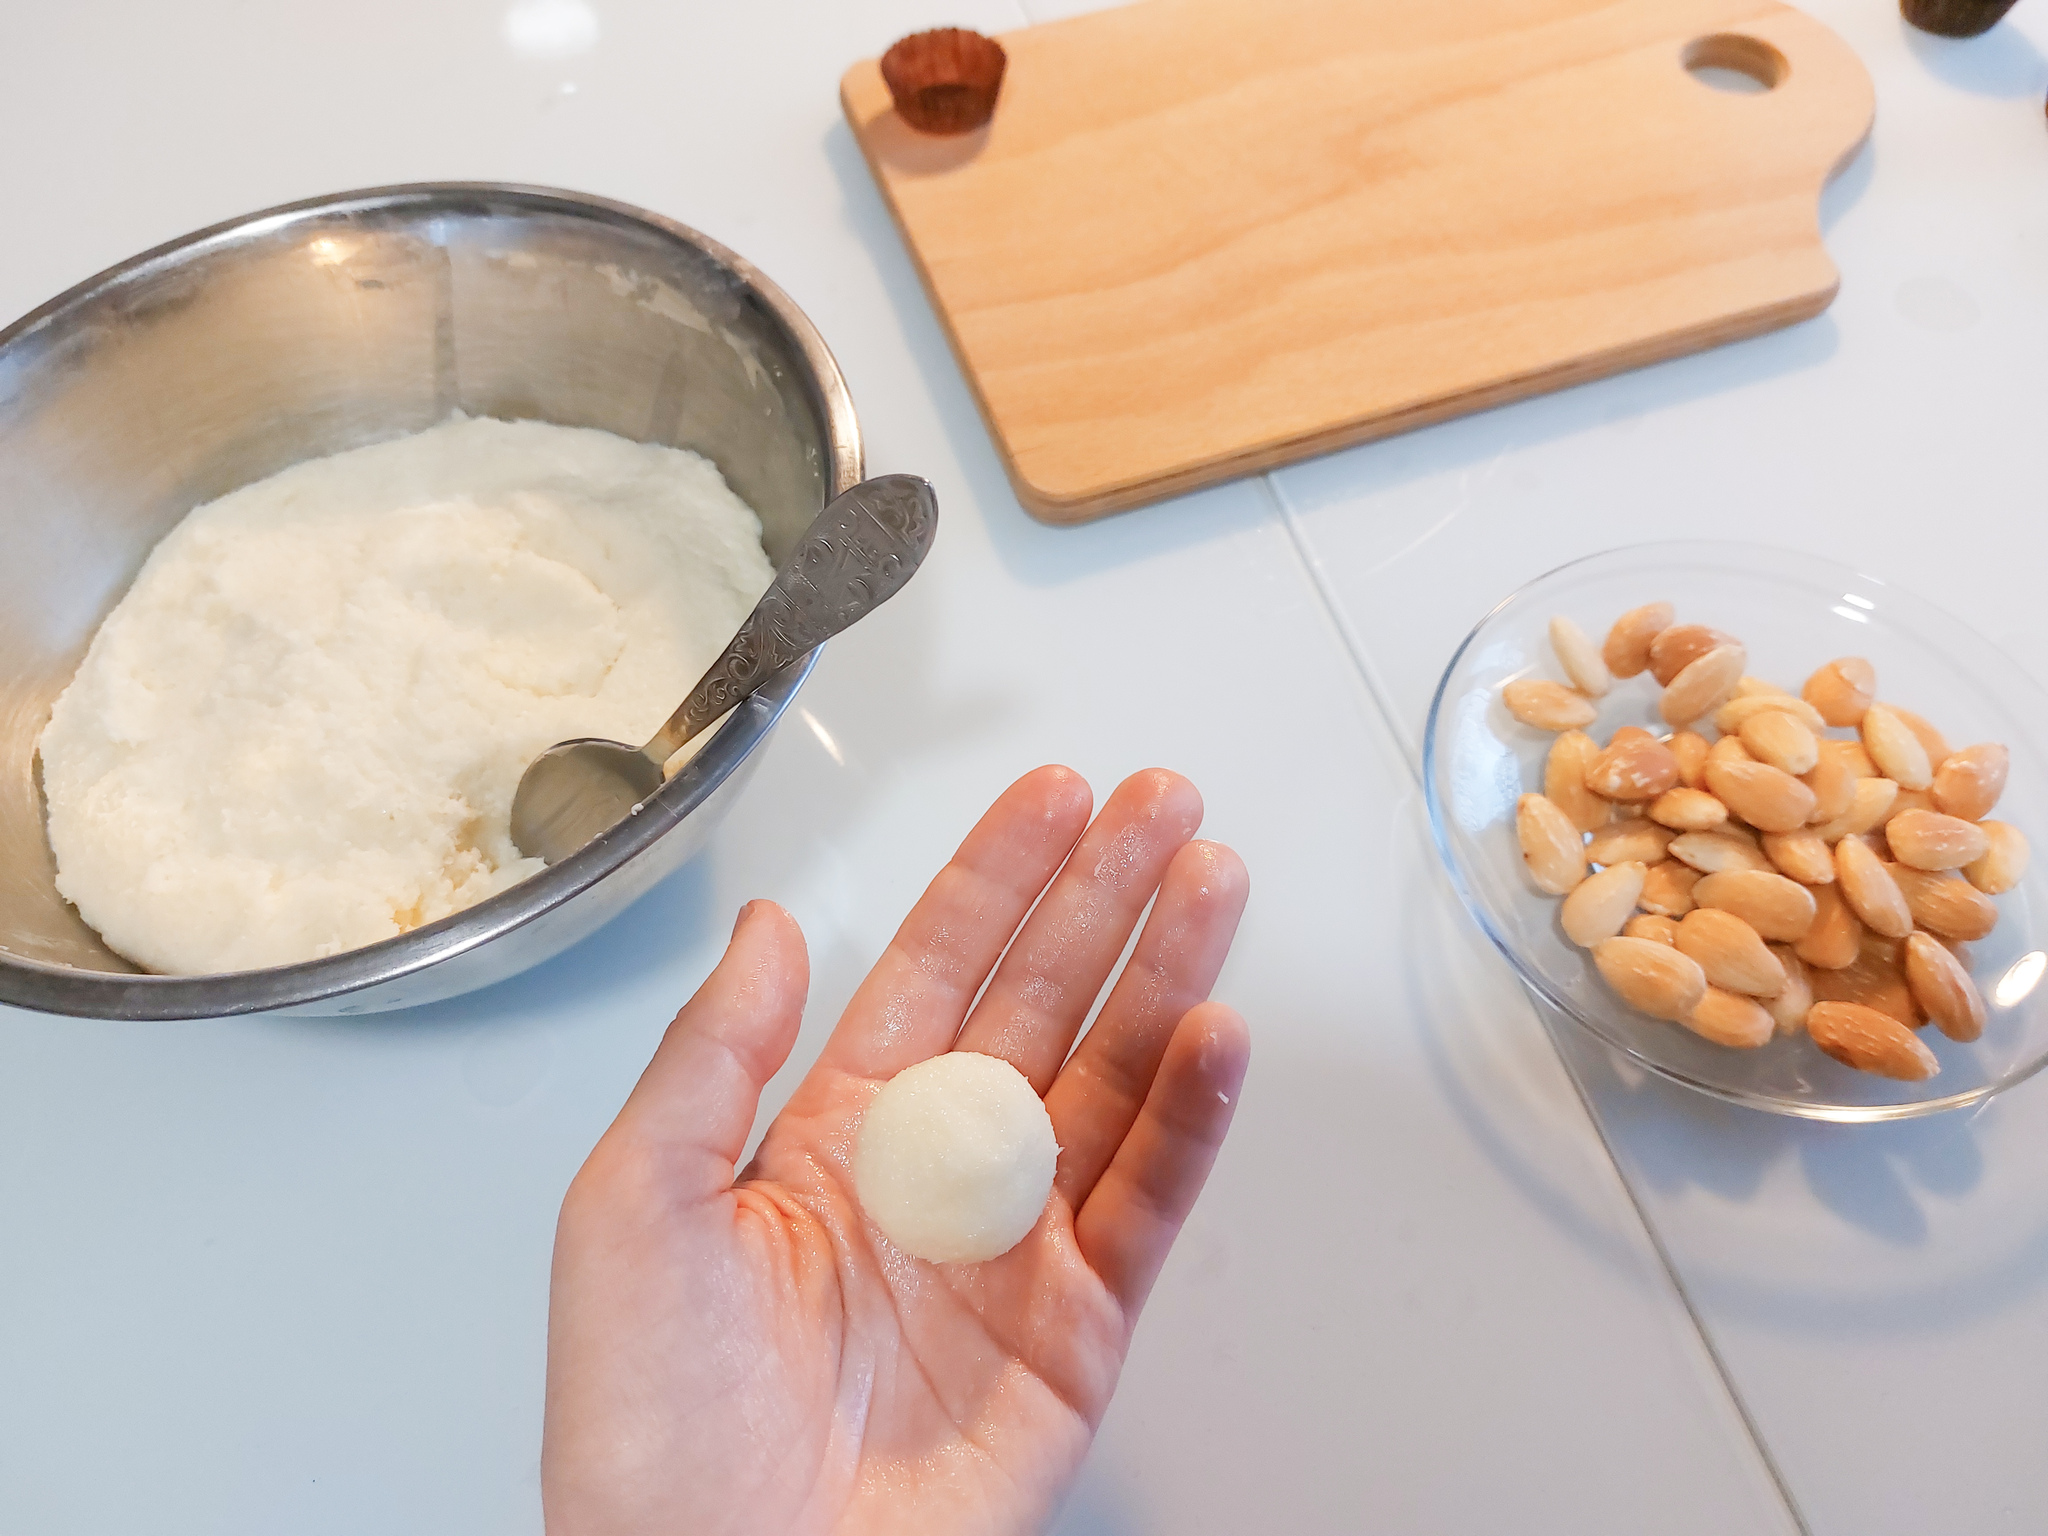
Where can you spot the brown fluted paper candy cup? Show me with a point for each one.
(1954, 18)
(946, 80)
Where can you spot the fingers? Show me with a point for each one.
(1131, 1219)
(697, 1098)
(1050, 977)
(1098, 1094)
(913, 1001)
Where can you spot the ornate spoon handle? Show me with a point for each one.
(857, 555)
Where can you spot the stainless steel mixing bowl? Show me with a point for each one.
(221, 358)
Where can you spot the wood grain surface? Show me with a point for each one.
(1204, 237)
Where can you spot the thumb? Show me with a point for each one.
(696, 1100)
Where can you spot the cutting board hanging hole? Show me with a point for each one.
(1741, 66)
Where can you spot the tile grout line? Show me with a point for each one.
(1361, 660)
(1692, 1312)
(1376, 688)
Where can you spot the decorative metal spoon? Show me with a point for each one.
(857, 555)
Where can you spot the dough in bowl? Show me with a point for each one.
(955, 1158)
(301, 729)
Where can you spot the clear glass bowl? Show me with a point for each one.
(1793, 612)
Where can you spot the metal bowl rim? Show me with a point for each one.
(118, 995)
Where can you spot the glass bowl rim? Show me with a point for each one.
(1533, 979)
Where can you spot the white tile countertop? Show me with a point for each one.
(279, 1275)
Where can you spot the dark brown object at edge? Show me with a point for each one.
(946, 80)
(1954, 18)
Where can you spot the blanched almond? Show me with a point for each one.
(1869, 889)
(1833, 786)
(1968, 783)
(1627, 650)
(1688, 810)
(1744, 707)
(1730, 952)
(1667, 889)
(1908, 800)
(1842, 690)
(1775, 907)
(1870, 1041)
(1564, 781)
(1601, 903)
(1704, 684)
(1876, 978)
(1853, 757)
(1634, 841)
(1836, 935)
(1868, 809)
(1648, 925)
(1930, 840)
(1638, 768)
(1712, 852)
(1729, 1019)
(1943, 989)
(1774, 737)
(2004, 861)
(1788, 1008)
(1579, 657)
(1768, 798)
(1800, 855)
(1653, 977)
(1546, 705)
(1690, 748)
(1946, 904)
(1729, 749)
(1680, 646)
(1932, 742)
(1852, 752)
(1895, 749)
(1551, 845)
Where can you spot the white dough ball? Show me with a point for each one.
(955, 1158)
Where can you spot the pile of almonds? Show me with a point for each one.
(1774, 879)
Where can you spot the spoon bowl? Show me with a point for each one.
(590, 782)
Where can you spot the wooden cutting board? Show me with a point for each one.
(1204, 237)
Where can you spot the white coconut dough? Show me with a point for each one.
(301, 729)
(955, 1158)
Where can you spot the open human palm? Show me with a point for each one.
(752, 1355)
